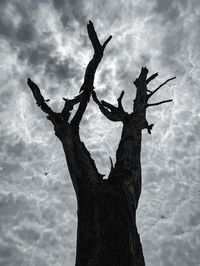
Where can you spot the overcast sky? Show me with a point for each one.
(47, 41)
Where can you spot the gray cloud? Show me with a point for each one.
(69, 11)
(64, 69)
(36, 56)
(168, 10)
(48, 40)
(22, 32)
(25, 32)
(6, 28)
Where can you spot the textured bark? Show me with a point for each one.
(107, 233)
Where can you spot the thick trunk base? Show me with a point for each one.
(107, 234)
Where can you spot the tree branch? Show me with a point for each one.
(95, 99)
(40, 101)
(112, 112)
(111, 163)
(93, 37)
(151, 77)
(102, 107)
(68, 107)
(120, 101)
(109, 106)
(107, 41)
(158, 103)
(142, 77)
(87, 86)
(152, 93)
(140, 101)
(148, 127)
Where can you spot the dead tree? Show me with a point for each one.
(107, 234)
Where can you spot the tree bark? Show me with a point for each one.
(107, 233)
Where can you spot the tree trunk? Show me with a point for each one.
(107, 233)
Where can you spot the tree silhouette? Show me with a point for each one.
(107, 233)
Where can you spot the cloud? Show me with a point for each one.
(48, 41)
(65, 69)
(16, 27)
(25, 32)
(168, 10)
(69, 11)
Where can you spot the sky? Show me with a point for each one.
(47, 41)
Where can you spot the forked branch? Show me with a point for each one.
(87, 86)
(69, 103)
(68, 107)
(98, 48)
(110, 111)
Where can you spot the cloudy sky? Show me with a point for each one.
(47, 40)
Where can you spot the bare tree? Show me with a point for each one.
(107, 233)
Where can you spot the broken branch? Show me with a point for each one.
(40, 101)
(120, 101)
(151, 77)
(106, 42)
(93, 37)
(142, 77)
